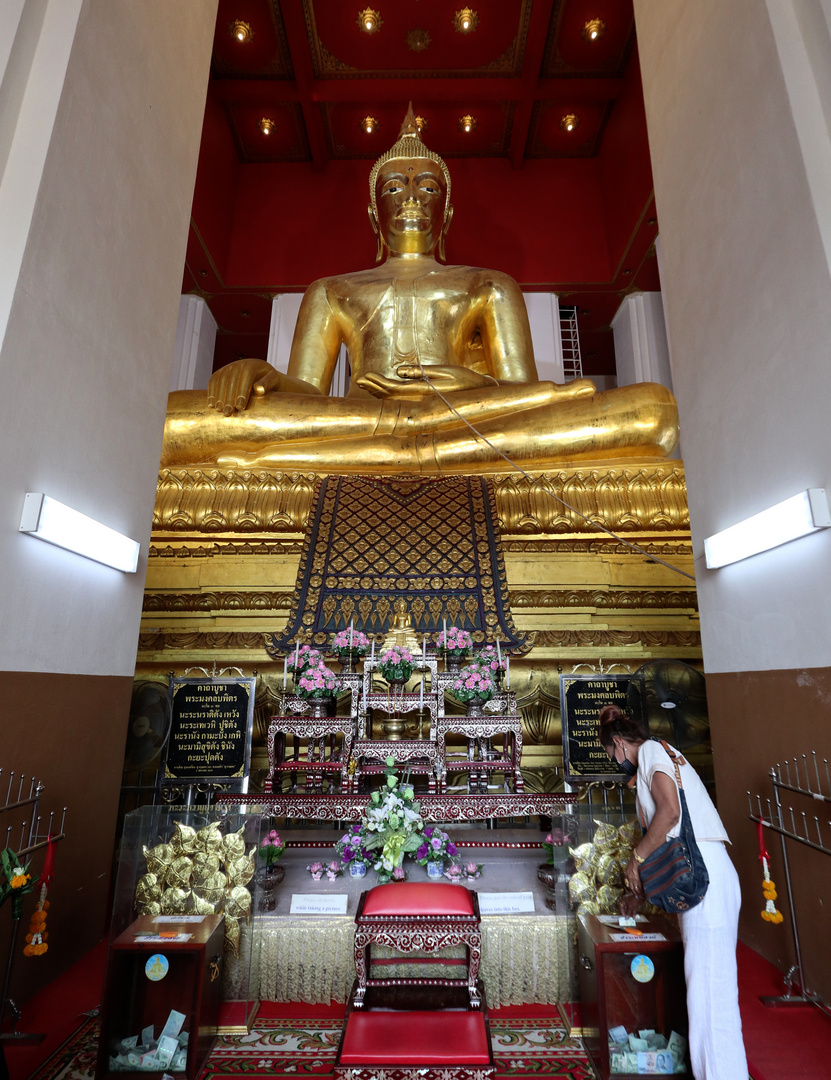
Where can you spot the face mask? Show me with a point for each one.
(627, 767)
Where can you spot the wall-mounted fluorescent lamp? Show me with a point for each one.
(798, 516)
(50, 520)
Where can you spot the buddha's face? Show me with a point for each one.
(410, 195)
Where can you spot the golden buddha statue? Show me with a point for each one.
(433, 349)
(401, 632)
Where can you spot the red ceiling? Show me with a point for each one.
(565, 211)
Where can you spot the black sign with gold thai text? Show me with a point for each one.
(210, 734)
(581, 699)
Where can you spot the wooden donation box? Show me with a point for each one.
(632, 997)
(162, 997)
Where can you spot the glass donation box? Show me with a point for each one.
(633, 998)
(162, 997)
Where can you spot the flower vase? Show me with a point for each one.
(453, 662)
(435, 869)
(267, 878)
(357, 869)
(320, 707)
(348, 660)
(475, 706)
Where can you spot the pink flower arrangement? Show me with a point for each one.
(303, 657)
(471, 683)
(352, 639)
(316, 870)
(554, 839)
(488, 658)
(317, 681)
(396, 665)
(455, 640)
(271, 848)
(399, 873)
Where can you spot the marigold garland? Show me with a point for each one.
(37, 936)
(770, 914)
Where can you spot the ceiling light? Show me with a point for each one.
(569, 122)
(369, 124)
(50, 520)
(465, 21)
(266, 126)
(467, 123)
(369, 20)
(798, 516)
(241, 31)
(594, 30)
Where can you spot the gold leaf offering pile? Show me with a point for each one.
(199, 872)
(597, 886)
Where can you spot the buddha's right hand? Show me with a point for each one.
(229, 389)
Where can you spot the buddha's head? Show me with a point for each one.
(409, 192)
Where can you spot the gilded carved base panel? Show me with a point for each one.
(625, 499)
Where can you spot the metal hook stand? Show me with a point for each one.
(795, 826)
(29, 839)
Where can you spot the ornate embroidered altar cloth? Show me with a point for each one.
(433, 543)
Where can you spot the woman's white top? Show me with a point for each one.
(706, 823)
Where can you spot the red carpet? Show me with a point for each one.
(792, 1043)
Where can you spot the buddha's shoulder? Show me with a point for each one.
(340, 284)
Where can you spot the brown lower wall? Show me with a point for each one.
(69, 732)
(759, 719)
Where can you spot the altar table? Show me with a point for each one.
(525, 958)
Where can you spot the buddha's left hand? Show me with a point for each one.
(412, 384)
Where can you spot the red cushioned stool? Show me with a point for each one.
(416, 1045)
(418, 917)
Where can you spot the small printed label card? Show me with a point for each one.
(317, 904)
(505, 903)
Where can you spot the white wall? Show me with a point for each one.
(92, 307)
(747, 292)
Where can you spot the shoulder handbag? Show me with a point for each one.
(674, 876)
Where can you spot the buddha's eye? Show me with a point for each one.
(392, 187)
(429, 187)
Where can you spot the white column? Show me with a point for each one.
(193, 355)
(641, 349)
(284, 309)
(544, 317)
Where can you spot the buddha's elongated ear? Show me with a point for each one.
(444, 230)
(373, 221)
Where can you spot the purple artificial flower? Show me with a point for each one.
(348, 854)
(422, 851)
(435, 843)
(451, 848)
(428, 832)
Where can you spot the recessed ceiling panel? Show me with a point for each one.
(444, 132)
(570, 51)
(549, 135)
(416, 39)
(286, 140)
(263, 54)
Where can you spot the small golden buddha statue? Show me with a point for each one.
(433, 349)
(401, 633)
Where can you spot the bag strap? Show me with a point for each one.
(676, 760)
